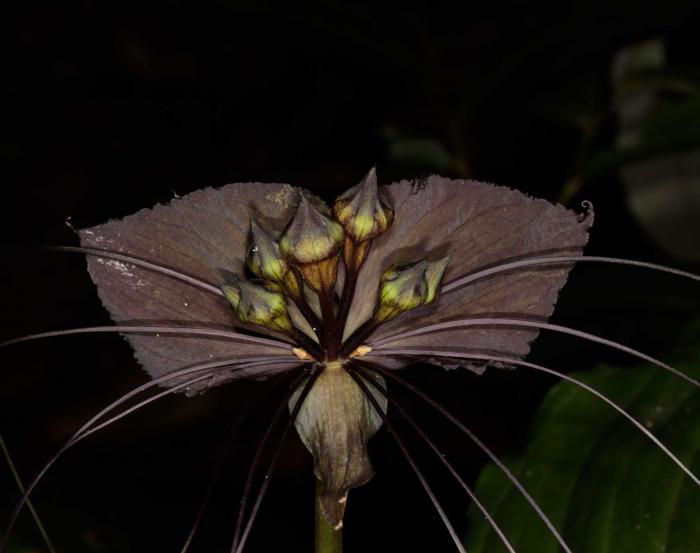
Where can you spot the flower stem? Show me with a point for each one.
(328, 539)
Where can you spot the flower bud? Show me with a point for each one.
(258, 305)
(402, 288)
(265, 261)
(362, 212)
(264, 258)
(433, 276)
(312, 242)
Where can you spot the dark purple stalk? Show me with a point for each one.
(329, 339)
(303, 304)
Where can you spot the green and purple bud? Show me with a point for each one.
(312, 243)
(404, 287)
(264, 258)
(363, 213)
(258, 305)
(265, 261)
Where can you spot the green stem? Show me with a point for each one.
(328, 540)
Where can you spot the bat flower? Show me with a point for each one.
(253, 280)
(331, 285)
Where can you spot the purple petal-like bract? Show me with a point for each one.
(205, 234)
(479, 225)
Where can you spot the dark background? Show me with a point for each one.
(108, 108)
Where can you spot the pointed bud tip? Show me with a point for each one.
(433, 276)
(264, 258)
(311, 236)
(232, 293)
(361, 210)
(369, 182)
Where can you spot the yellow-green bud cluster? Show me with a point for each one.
(310, 247)
(406, 287)
(258, 305)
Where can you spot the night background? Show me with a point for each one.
(108, 108)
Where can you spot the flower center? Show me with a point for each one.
(295, 291)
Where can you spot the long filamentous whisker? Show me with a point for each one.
(207, 286)
(202, 332)
(409, 458)
(72, 442)
(381, 344)
(523, 263)
(256, 460)
(315, 373)
(162, 394)
(411, 421)
(30, 505)
(233, 431)
(218, 366)
(599, 395)
(146, 264)
(454, 420)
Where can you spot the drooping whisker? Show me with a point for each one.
(315, 373)
(499, 322)
(256, 460)
(210, 368)
(209, 287)
(184, 330)
(409, 458)
(145, 402)
(444, 412)
(459, 282)
(30, 505)
(465, 354)
(144, 263)
(419, 430)
(231, 435)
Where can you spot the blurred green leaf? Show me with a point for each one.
(601, 482)
(427, 154)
